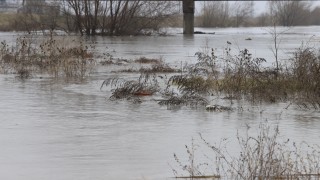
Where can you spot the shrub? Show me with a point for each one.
(306, 76)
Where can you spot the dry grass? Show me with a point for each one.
(57, 57)
(261, 156)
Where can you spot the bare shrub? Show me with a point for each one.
(240, 73)
(306, 75)
(192, 167)
(262, 156)
(200, 78)
(290, 13)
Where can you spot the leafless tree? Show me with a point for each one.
(214, 14)
(242, 11)
(222, 14)
(117, 16)
(289, 13)
(263, 19)
(37, 15)
(315, 14)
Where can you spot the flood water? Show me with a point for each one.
(52, 129)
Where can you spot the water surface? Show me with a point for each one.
(52, 129)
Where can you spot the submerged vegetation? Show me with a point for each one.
(235, 77)
(53, 56)
(231, 77)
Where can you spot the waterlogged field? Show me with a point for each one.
(51, 128)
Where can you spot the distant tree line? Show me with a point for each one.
(91, 17)
(241, 13)
(131, 17)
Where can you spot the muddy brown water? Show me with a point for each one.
(50, 129)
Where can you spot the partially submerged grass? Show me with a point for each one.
(184, 100)
(146, 85)
(53, 56)
(262, 156)
(158, 67)
(145, 60)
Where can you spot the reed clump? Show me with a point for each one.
(53, 56)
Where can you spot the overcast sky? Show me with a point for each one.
(260, 6)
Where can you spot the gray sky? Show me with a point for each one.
(260, 6)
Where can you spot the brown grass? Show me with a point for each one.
(57, 57)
